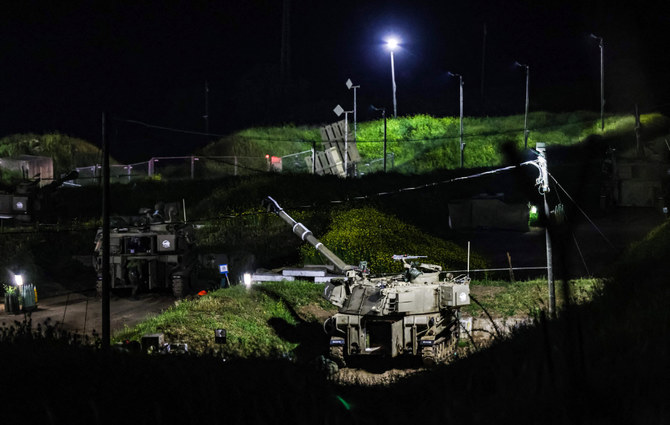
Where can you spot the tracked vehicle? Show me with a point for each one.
(412, 314)
(151, 251)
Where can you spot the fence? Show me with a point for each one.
(211, 167)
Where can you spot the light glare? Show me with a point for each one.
(392, 43)
(18, 279)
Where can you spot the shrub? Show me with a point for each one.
(365, 234)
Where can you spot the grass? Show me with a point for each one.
(423, 143)
(245, 314)
(507, 299)
(67, 152)
(419, 143)
(250, 317)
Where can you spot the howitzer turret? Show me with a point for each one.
(415, 313)
(306, 235)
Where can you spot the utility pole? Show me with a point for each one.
(543, 182)
(384, 117)
(206, 116)
(338, 111)
(483, 64)
(460, 78)
(350, 86)
(285, 59)
(460, 84)
(105, 238)
(525, 117)
(638, 134)
(395, 104)
(601, 45)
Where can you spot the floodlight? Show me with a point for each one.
(392, 43)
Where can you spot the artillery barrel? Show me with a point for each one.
(306, 235)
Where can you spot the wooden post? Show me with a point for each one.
(511, 270)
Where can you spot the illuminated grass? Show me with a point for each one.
(245, 314)
(506, 299)
(422, 143)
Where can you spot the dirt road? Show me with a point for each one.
(81, 312)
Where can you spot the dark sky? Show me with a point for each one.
(63, 63)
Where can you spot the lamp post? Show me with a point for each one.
(350, 86)
(338, 111)
(601, 44)
(384, 116)
(460, 83)
(392, 44)
(525, 117)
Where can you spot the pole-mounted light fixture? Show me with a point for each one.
(392, 44)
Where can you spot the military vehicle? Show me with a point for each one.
(412, 314)
(151, 251)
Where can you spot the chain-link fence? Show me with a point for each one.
(212, 167)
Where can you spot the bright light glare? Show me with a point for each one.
(392, 43)
(247, 280)
(18, 279)
(533, 209)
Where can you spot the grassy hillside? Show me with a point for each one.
(248, 315)
(424, 143)
(365, 234)
(67, 152)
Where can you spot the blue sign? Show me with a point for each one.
(223, 268)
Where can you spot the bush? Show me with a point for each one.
(365, 234)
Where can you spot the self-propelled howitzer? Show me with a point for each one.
(415, 313)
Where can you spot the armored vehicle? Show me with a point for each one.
(151, 251)
(414, 314)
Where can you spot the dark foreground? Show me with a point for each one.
(605, 362)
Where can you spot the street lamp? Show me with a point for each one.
(525, 117)
(460, 83)
(350, 86)
(338, 111)
(392, 44)
(18, 280)
(384, 116)
(601, 44)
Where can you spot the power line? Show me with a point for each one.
(299, 140)
(582, 211)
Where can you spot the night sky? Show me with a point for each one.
(63, 63)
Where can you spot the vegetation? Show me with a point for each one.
(521, 298)
(422, 143)
(594, 363)
(366, 234)
(246, 314)
(415, 144)
(643, 256)
(67, 152)
(263, 321)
